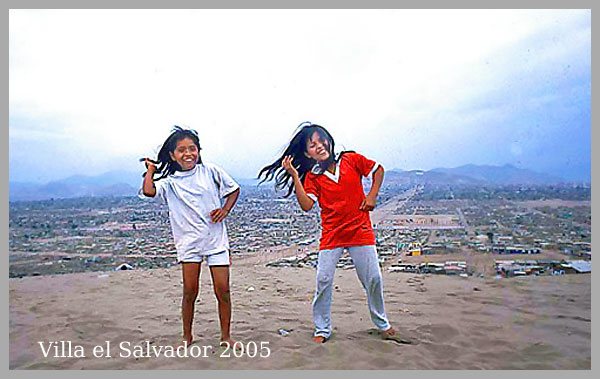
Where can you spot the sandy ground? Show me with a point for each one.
(454, 323)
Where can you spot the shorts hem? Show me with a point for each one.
(208, 258)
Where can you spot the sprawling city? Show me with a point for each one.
(470, 230)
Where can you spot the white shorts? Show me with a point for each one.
(217, 259)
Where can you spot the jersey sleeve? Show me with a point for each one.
(364, 165)
(310, 187)
(224, 181)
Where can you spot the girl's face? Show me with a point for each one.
(185, 154)
(317, 147)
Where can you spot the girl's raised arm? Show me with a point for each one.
(148, 187)
(306, 203)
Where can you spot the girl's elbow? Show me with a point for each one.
(307, 207)
(233, 194)
(378, 173)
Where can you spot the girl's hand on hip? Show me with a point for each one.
(218, 215)
(368, 204)
(287, 166)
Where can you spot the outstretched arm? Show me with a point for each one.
(306, 203)
(148, 186)
(369, 202)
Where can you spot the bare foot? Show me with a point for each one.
(319, 339)
(392, 335)
(231, 342)
(183, 342)
(388, 333)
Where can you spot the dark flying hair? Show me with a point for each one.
(297, 149)
(165, 165)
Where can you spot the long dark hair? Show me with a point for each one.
(297, 149)
(165, 165)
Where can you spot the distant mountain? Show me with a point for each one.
(507, 174)
(125, 183)
(56, 190)
(113, 183)
(246, 181)
(133, 179)
(471, 175)
(407, 178)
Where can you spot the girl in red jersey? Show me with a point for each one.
(309, 167)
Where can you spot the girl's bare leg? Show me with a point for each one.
(191, 274)
(220, 278)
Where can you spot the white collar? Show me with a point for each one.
(186, 173)
(335, 177)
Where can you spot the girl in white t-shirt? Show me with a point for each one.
(193, 191)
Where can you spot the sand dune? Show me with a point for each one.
(455, 323)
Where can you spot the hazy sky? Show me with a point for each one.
(93, 90)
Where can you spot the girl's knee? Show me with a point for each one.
(190, 294)
(371, 280)
(222, 294)
(375, 282)
(324, 280)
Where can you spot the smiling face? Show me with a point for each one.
(317, 147)
(185, 154)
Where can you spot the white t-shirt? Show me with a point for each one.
(191, 196)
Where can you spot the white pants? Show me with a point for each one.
(367, 268)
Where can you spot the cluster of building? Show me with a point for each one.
(87, 234)
(513, 268)
(420, 221)
(493, 224)
(446, 268)
(262, 220)
(71, 235)
(310, 259)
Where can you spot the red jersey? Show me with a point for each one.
(339, 195)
